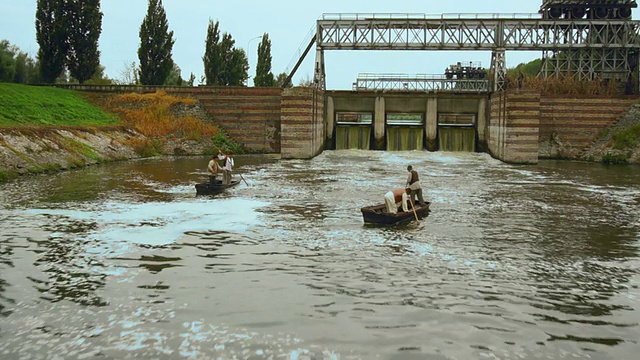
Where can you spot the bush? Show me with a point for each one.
(628, 138)
(614, 159)
(226, 144)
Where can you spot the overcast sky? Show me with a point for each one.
(288, 23)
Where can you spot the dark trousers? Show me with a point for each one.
(413, 196)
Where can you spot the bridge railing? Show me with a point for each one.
(422, 16)
(419, 83)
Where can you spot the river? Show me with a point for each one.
(123, 260)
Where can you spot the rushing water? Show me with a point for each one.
(514, 262)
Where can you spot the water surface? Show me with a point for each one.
(514, 262)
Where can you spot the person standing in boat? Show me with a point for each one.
(413, 183)
(214, 167)
(394, 197)
(228, 169)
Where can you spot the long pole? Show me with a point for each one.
(414, 209)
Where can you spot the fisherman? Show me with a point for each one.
(213, 167)
(413, 183)
(396, 197)
(228, 169)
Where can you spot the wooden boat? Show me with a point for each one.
(211, 189)
(377, 214)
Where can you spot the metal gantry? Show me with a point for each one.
(423, 83)
(584, 48)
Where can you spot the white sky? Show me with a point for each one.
(288, 23)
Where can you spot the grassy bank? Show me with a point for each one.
(34, 106)
(166, 124)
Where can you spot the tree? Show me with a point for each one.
(156, 44)
(264, 76)
(175, 76)
(26, 70)
(84, 25)
(7, 62)
(212, 55)
(235, 65)
(280, 80)
(129, 75)
(52, 38)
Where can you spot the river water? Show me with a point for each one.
(123, 260)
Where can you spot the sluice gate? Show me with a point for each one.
(405, 122)
(456, 132)
(353, 130)
(405, 131)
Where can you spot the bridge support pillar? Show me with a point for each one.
(431, 124)
(330, 124)
(499, 67)
(481, 125)
(319, 77)
(379, 113)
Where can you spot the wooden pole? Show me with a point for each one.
(414, 210)
(245, 181)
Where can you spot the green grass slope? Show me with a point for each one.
(29, 106)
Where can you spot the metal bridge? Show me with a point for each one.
(423, 83)
(584, 49)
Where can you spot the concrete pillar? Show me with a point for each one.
(481, 125)
(431, 123)
(379, 124)
(330, 115)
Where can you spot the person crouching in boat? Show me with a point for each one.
(394, 198)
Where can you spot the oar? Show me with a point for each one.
(414, 210)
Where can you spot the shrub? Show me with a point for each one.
(628, 138)
(614, 159)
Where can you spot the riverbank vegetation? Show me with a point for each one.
(154, 124)
(38, 106)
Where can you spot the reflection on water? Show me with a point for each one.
(123, 260)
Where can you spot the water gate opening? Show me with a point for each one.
(457, 132)
(353, 130)
(405, 131)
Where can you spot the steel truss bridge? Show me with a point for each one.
(584, 49)
(423, 83)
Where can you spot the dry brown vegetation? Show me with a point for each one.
(151, 115)
(569, 86)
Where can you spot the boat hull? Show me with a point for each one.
(377, 214)
(212, 189)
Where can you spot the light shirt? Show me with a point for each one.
(228, 164)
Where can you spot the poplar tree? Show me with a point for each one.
(212, 58)
(52, 38)
(235, 65)
(264, 76)
(156, 44)
(84, 24)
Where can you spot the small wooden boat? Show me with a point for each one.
(377, 214)
(211, 189)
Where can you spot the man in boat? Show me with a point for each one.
(413, 183)
(394, 198)
(228, 168)
(214, 167)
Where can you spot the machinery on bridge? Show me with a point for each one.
(464, 71)
(589, 9)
